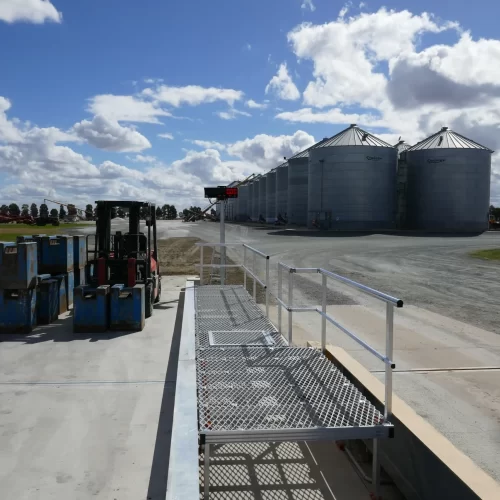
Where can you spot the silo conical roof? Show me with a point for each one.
(353, 136)
(305, 153)
(447, 139)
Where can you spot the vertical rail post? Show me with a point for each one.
(375, 469)
(290, 305)
(245, 267)
(323, 318)
(254, 279)
(222, 243)
(267, 287)
(201, 265)
(389, 341)
(206, 475)
(280, 295)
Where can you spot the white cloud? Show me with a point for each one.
(166, 135)
(231, 114)
(208, 144)
(192, 95)
(308, 4)
(30, 11)
(109, 135)
(282, 85)
(111, 170)
(126, 108)
(344, 10)
(333, 115)
(8, 131)
(144, 159)
(267, 151)
(248, 46)
(256, 105)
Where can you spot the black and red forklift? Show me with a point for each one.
(129, 258)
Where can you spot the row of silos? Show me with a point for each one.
(354, 181)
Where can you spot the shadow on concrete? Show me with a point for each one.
(346, 234)
(157, 488)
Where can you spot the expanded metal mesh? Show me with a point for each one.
(240, 338)
(230, 309)
(283, 388)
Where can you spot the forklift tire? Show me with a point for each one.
(158, 297)
(149, 301)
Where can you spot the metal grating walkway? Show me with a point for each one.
(249, 392)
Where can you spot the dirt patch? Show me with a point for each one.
(181, 256)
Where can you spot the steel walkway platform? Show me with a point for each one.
(252, 387)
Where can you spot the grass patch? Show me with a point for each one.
(9, 232)
(490, 254)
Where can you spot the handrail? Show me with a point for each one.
(258, 252)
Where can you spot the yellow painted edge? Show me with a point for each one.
(460, 464)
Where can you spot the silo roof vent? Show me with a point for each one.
(353, 136)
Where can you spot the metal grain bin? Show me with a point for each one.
(448, 184)
(250, 198)
(242, 213)
(256, 198)
(271, 195)
(282, 190)
(298, 181)
(352, 182)
(402, 146)
(262, 196)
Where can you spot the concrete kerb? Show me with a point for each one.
(422, 462)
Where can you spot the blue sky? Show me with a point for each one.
(82, 83)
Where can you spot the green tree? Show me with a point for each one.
(4, 210)
(165, 210)
(14, 209)
(34, 210)
(120, 212)
(89, 212)
(72, 212)
(54, 213)
(25, 210)
(62, 212)
(172, 212)
(159, 213)
(44, 211)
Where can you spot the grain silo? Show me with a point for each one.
(282, 190)
(401, 185)
(242, 213)
(298, 181)
(262, 196)
(271, 195)
(402, 146)
(448, 183)
(352, 182)
(256, 198)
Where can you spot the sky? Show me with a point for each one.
(153, 100)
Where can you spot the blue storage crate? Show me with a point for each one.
(47, 304)
(79, 251)
(18, 310)
(56, 255)
(127, 308)
(62, 293)
(91, 309)
(18, 265)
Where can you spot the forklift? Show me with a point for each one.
(129, 258)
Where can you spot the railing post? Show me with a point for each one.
(254, 279)
(267, 287)
(290, 305)
(280, 294)
(389, 334)
(323, 318)
(245, 266)
(201, 265)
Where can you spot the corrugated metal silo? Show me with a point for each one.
(448, 183)
(402, 146)
(352, 182)
(298, 181)
(282, 190)
(242, 214)
(401, 185)
(271, 195)
(251, 188)
(256, 198)
(263, 196)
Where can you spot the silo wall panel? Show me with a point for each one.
(298, 180)
(448, 189)
(271, 196)
(255, 199)
(356, 186)
(263, 196)
(282, 191)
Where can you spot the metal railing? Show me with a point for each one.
(247, 271)
(391, 303)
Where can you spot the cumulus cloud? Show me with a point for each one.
(126, 108)
(256, 105)
(231, 114)
(166, 135)
(192, 95)
(8, 131)
(30, 11)
(333, 115)
(282, 85)
(208, 144)
(308, 4)
(107, 134)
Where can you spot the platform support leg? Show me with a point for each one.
(206, 478)
(375, 470)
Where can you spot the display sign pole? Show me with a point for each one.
(222, 242)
